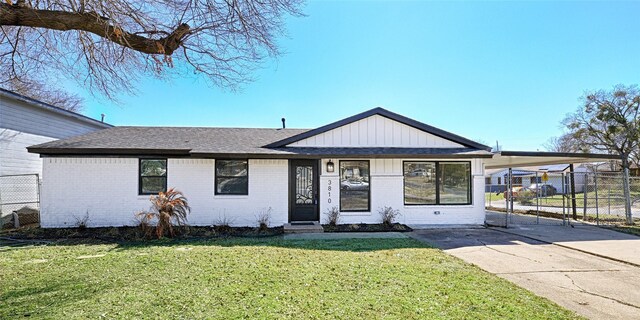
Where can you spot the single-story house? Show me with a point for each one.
(357, 165)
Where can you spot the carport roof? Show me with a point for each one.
(513, 159)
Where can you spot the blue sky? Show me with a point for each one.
(506, 71)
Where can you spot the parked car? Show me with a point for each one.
(543, 189)
(514, 191)
(418, 173)
(353, 184)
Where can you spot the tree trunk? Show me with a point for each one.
(627, 191)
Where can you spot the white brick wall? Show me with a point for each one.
(387, 189)
(107, 189)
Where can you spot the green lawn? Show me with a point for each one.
(634, 229)
(256, 278)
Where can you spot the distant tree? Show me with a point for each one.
(608, 121)
(565, 143)
(107, 45)
(48, 94)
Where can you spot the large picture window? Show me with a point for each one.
(433, 183)
(232, 177)
(454, 182)
(420, 183)
(152, 176)
(354, 186)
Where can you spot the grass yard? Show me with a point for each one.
(256, 278)
(634, 229)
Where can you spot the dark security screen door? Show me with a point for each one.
(303, 190)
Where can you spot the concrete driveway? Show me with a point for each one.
(592, 286)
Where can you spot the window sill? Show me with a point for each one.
(230, 196)
(427, 206)
(355, 213)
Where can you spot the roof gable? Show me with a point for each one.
(378, 128)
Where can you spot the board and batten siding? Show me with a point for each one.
(376, 131)
(23, 124)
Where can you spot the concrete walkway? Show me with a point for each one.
(590, 239)
(592, 286)
(344, 235)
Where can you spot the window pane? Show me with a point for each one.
(455, 183)
(152, 184)
(231, 168)
(304, 185)
(354, 185)
(232, 185)
(153, 168)
(419, 183)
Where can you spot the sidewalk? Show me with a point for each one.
(589, 239)
(344, 235)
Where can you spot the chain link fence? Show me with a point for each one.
(559, 198)
(19, 200)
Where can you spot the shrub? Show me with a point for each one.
(263, 219)
(170, 209)
(83, 222)
(526, 197)
(388, 215)
(223, 223)
(333, 216)
(142, 221)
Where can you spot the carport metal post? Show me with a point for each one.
(538, 189)
(595, 184)
(511, 191)
(509, 197)
(564, 195)
(584, 193)
(573, 192)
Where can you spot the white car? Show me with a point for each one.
(352, 184)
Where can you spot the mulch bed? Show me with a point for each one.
(364, 227)
(116, 234)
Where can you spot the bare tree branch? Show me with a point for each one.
(107, 45)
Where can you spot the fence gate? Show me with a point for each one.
(559, 198)
(603, 201)
(19, 199)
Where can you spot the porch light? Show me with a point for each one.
(330, 167)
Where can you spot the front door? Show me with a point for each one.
(303, 190)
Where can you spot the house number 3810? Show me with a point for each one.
(328, 191)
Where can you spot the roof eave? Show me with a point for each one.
(106, 152)
(52, 108)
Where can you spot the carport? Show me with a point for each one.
(516, 159)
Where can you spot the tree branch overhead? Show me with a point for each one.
(106, 45)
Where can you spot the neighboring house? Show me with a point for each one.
(358, 165)
(496, 179)
(25, 122)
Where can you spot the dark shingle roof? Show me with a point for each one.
(220, 142)
(162, 140)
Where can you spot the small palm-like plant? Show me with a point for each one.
(170, 209)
